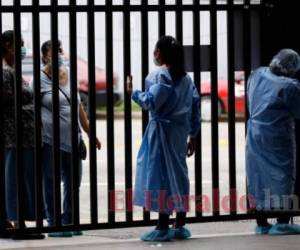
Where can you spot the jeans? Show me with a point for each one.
(66, 178)
(27, 198)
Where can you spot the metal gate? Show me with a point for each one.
(242, 37)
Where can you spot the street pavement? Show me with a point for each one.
(222, 235)
(119, 144)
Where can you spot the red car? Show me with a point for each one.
(223, 97)
(82, 77)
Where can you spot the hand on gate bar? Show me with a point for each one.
(129, 85)
(98, 144)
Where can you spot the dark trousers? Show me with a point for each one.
(164, 220)
(297, 184)
(66, 178)
(26, 181)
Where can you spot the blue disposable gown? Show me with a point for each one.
(162, 182)
(274, 103)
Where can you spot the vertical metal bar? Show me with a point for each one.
(262, 14)
(37, 115)
(214, 108)
(197, 80)
(247, 62)
(55, 117)
(247, 48)
(18, 113)
(162, 18)
(92, 113)
(145, 68)
(110, 113)
(128, 124)
(231, 112)
(2, 159)
(74, 112)
(179, 32)
(263, 20)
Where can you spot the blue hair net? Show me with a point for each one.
(286, 62)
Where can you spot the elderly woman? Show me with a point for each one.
(274, 103)
(27, 179)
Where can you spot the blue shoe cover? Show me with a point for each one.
(65, 234)
(295, 228)
(261, 230)
(181, 233)
(77, 233)
(157, 235)
(284, 229)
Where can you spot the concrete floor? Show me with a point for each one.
(220, 236)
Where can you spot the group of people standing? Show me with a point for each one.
(162, 182)
(28, 179)
(173, 101)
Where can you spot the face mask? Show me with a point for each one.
(61, 60)
(156, 62)
(23, 52)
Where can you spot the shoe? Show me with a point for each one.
(284, 229)
(18, 235)
(5, 234)
(77, 233)
(65, 234)
(181, 233)
(22, 236)
(261, 230)
(158, 235)
(9, 225)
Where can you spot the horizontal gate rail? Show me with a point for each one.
(120, 8)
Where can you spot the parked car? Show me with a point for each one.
(223, 106)
(83, 84)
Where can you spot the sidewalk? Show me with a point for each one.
(229, 235)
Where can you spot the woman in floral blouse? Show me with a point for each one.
(27, 180)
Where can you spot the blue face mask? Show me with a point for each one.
(61, 60)
(23, 52)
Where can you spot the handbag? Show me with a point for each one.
(82, 149)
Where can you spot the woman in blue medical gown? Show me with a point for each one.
(274, 103)
(162, 182)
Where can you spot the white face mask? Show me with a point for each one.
(61, 60)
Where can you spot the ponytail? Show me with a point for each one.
(172, 53)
